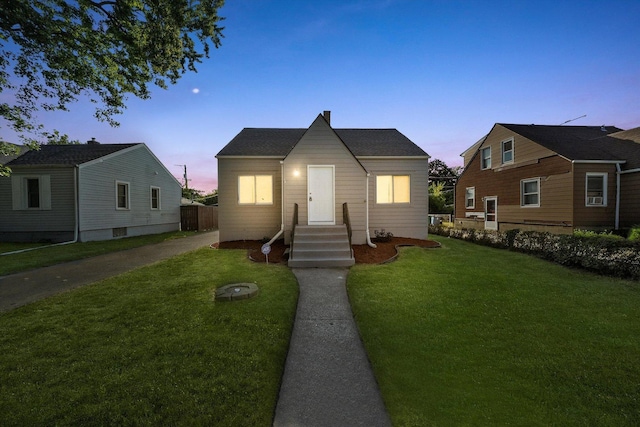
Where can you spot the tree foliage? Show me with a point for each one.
(54, 51)
(442, 179)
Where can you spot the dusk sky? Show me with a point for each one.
(441, 72)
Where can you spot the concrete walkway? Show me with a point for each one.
(328, 379)
(23, 288)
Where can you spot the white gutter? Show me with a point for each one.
(274, 238)
(630, 171)
(617, 219)
(76, 214)
(369, 242)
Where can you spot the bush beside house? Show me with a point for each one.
(601, 254)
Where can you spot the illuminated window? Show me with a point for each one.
(255, 190)
(393, 189)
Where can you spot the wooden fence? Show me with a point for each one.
(198, 218)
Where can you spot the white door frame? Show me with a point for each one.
(488, 224)
(327, 218)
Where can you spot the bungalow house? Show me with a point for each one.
(324, 183)
(550, 178)
(86, 192)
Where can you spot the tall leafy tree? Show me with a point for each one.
(54, 51)
(442, 179)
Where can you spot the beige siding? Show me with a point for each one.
(630, 199)
(594, 216)
(555, 173)
(244, 222)
(403, 220)
(33, 224)
(524, 150)
(97, 195)
(321, 146)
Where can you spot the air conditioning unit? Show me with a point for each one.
(594, 200)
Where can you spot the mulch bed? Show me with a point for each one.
(385, 251)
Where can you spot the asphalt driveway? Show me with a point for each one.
(23, 288)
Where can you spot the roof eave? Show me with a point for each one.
(600, 161)
(420, 157)
(235, 156)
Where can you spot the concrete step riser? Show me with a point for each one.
(320, 263)
(346, 254)
(321, 246)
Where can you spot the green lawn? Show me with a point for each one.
(50, 255)
(151, 347)
(469, 335)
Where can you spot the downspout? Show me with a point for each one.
(76, 215)
(617, 219)
(274, 238)
(369, 242)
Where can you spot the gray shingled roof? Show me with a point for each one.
(60, 155)
(361, 142)
(582, 142)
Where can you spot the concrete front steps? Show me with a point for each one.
(321, 246)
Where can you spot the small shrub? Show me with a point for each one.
(588, 234)
(383, 236)
(634, 233)
(603, 253)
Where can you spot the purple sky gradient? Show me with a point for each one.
(441, 72)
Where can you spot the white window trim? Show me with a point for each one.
(153, 187)
(473, 198)
(539, 192)
(255, 193)
(393, 190)
(513, 150)
(128, 207)
(482, 158)
(605, 179)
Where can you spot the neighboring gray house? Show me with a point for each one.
(87, 192)
(263, 174)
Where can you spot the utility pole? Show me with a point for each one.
(186, 181)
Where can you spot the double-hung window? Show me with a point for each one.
(122, 195)
(485, 158)
(470, 197)
(393, 189)
(507, 151)
(155, 198)
(255, 189)
(31, 192)
(530, 192)
(596, 189)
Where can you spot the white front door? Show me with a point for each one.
(321, 195)
(491, 213)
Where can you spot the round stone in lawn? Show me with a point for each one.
(236, 291)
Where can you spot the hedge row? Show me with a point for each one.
(612, 257)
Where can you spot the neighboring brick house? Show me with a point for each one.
(552, 178)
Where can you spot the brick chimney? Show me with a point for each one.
(327, 116)
(93, 141)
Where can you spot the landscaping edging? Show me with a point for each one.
(618, 258)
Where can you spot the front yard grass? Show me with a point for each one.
(51, 254)
(151, 347)
(470, 335)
